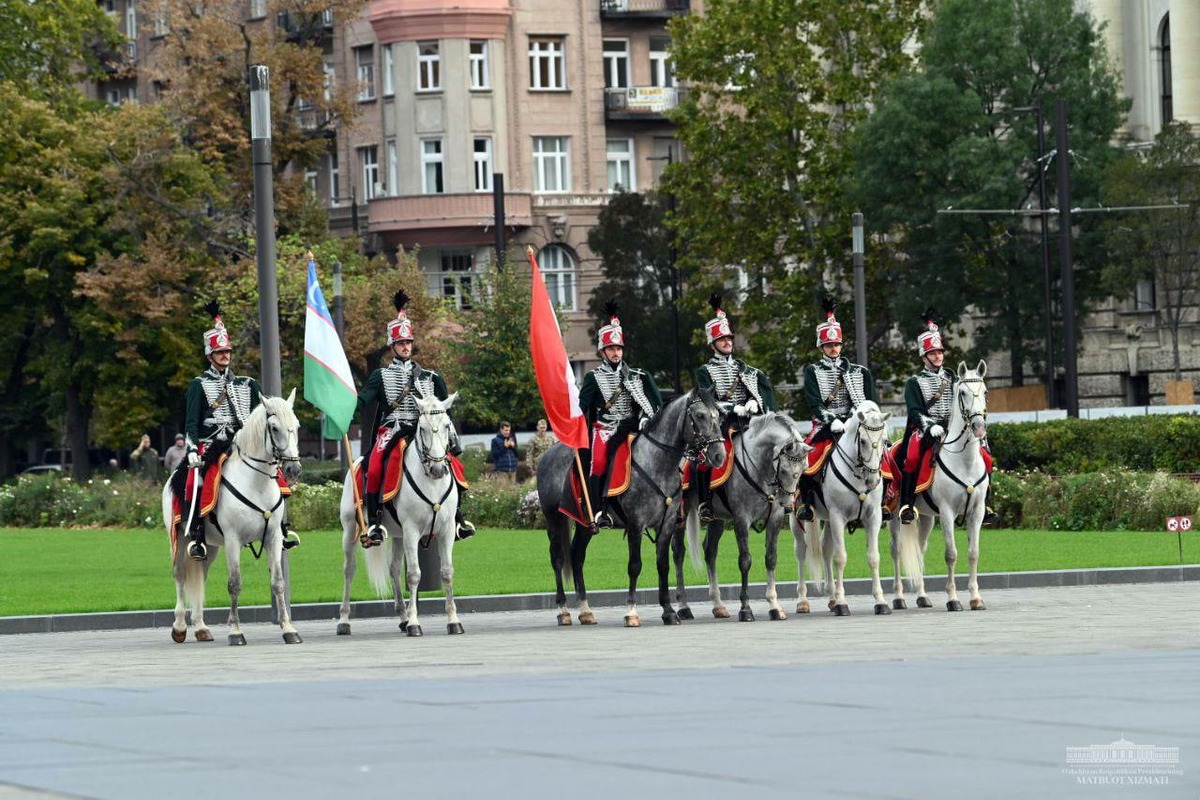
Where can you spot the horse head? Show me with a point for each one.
(433, 434)
(275, 434)
(971, 397)
(866, 433)
(787, 450)
(702, 427)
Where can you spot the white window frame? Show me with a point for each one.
(433, 167)
(109, 6)
(258, 9)
(552, 164)
(481, 77)
(429, 67)
(547, 63)
(662, 72)
(364, 63)
(131, 30)
(311, 178)
(456, 271)
(393, 166)
(161, 28)
(616, 64)
(330, 79)
(483, 163)
(622, 167)
(335, 179)
(368, 159)
(389, 71)
(560, 274)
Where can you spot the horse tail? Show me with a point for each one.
(908, 547)
(377, 570)
(563, 540)
(692, 526)
(814, 556)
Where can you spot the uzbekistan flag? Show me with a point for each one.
(556, 381)
(328, 383)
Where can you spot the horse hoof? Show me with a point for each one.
(803, 607)
(564, 619)
(237, 640)
(404, 626)
(745, 615)
(841, 610)
(587, 618)
(343, 629)
(670, 618)
(291, 637)
(977, 605)
(203, 635)
(832, 605)
(881, 609)
(899, 604)
(178, 636)
(686, 613)
(924, 602)
(721, 612)
(414, 630)
(953, 605)
(633, 621)
(454, 628)
(777, 614)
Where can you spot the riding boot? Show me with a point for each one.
(197, 549)
(375, 531)
(463, 529)
(990, 517)
(704, 488)
(602, 518)
(804, 512)
(908, 496)
(290, 537)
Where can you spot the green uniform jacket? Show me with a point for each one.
(373, 392)
(920, 417)
(198, 409)
(591, 399)
(765, 390)
(816, 398)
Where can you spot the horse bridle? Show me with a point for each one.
(695, 445)
(427, 461)
(968, 419)
(858, 467)
(776, 483)
(278, 454)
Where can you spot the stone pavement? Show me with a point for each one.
(917, 704)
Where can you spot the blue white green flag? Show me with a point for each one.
(328, 382)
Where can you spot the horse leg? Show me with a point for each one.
(742, 533)
(413, 570)
(279, 589)
(800, 547)
(395, 571)
(179, 571)
(556, 530)
(712, 540)
(349, 566)
(836, 531)
(677, 552)
(894, 533)
(233, 562)
(771, 558)
(925, 525)
(881, 606)
(952, 603)
(634, 570)
(579, 545)
(973, 531)
(662, 560)
(828, 551)
(446, 553)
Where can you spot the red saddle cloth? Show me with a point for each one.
(208, 497)
(618, 483)
(816, 457)
(393, 474)
(719, 476)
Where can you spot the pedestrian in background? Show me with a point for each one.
(143, 461)
(539, 444)
(175, 454)
(505, 453)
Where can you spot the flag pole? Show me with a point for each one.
(359, 520)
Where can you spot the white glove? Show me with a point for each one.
(752, 407)
(837, 426)
(937, 431)
(740, 410)
(193, 460)
(643, 423)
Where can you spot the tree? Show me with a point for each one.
(49, 45)
(775, 90)
(1159, 244)
(947, 135)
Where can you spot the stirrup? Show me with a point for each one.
(603, 520)
(907, 514)
(376, 534)
(706, 513)
(198, 550)
(805, 513)
(465, 531)
(990, 517)
(290, 538)
(886, 515)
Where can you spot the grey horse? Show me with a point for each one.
(768, 458)
(684, 429)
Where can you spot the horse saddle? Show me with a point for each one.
(890, 468)
(619, 475)
(393, 473)
(719, 476)
(819, 454)
(208, 494)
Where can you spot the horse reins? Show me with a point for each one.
(860, 469)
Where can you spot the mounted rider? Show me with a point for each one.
(928, 396)
(742, 390)
(834, 387)
(618, 400)
(218, 403)
(395, 389)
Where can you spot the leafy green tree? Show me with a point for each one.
(776, 88)
(947, 135)
(1162, 245)
(48, 45)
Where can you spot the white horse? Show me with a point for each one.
(424, 508)
(851, 490)
(249, 511)
(959, 489)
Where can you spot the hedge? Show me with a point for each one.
(1061, 447)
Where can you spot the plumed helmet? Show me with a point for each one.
(611, 333)
(829, 331)
(718, 326)
(216, 338)
(401, 328)
(931, 339)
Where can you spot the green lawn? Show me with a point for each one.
(65, 571)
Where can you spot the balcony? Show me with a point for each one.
(648, 103)
(643, 9)
(444, 219)
(300, 27)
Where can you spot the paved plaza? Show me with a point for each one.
(919, 704)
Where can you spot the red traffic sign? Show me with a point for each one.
(1179, 524)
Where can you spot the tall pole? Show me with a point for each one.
(672, 254)
(264, 228)
(338, 325)
(1066, 261)
(857, 247)
(498, 216)
(1045, 222)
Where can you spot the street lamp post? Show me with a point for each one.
(1044, 222)
(264, 229)
(860, 291)
(672, 255)
(1066, 258)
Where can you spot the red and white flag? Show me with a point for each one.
(556, 381)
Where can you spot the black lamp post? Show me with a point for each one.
(675, 288)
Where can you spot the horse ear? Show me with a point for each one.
(291, 397)
(861, 418)
(982, 368)
(450, 401)
(962, 368)
(887, 415)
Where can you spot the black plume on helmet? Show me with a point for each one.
(400, 300)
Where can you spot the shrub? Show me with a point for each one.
(1155, 442)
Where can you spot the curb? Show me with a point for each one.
(307, 612)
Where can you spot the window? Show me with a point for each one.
(258, 9)
(620, 165)
(330, 80)
(431, 166)
(457, 270)
(364, 57)
(551, 168)
(389, 71)
(547, 64)
(558, 270)
(1143, 296)
(131, 31)
(483, 164)
(480, 78)
(393, 168)
(112, 97)
(335, 184)
(1168, 100)
(368, 157)
(160, 19)
(429, 67)
(616, 64)
(310, 181)
(661, 73)
(109, 6)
